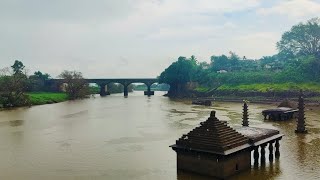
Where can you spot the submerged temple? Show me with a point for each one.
(218, 150)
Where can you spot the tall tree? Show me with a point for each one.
(302, 39)
(17, 67)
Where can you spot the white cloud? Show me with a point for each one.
(257, 44)
(293, 8)
(197, 32)
(166, 13)
(133, 38)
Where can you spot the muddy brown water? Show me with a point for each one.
(128, 138)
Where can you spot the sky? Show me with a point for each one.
(140, 38)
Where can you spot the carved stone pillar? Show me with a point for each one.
(277, 146)
(263, 153)
(245, 118)
(271, 151)
(256, 155)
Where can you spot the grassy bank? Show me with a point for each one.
(312, 87)
(38, 98)
(262, 92)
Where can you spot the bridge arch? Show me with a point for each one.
(124, 81)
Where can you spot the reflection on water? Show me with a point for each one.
(128, 138)
(16, 122)
(11, 123)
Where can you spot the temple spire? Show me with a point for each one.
(301, 127)
(245, 118)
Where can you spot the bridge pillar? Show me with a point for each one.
(102, 90)
(148, 92)
(125, 90)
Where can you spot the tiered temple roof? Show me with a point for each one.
(213, 136)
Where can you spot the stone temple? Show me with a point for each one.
(215, 149)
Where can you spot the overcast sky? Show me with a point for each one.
(140, 38)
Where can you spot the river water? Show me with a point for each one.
(128, 138)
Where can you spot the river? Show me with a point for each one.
(128, 138)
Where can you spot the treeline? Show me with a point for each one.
(17, 88)
(15, 84)
(298, 61)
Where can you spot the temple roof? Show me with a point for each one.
(257, 135)
(280, 110)
(213, 136)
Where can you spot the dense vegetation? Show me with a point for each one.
(76, 86)
(19, 89)
(296, 66)
(13, 85)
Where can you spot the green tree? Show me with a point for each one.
(224, 62)
(37, 81)
(302, 39)
(13, 85)
(178, 74)
(40, 75)
(220, 63)
(17, 67)
(76, 86)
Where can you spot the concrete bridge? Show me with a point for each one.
(104, 82)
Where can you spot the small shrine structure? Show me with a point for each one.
(215, 149)
(279, 114)
(285, 111)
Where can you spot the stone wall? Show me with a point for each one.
(237, 163)
(213, 165)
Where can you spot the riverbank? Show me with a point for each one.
(310, 102)
(257, 93)
(314, 101)
(39, 98)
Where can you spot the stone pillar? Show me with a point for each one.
(102, 90)
(271, 151)
(256, 155)
(125, 90)
(263, 153)
(301, 127)
(107, 89)
(277, 145)
(148, 92)
(245, 118)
